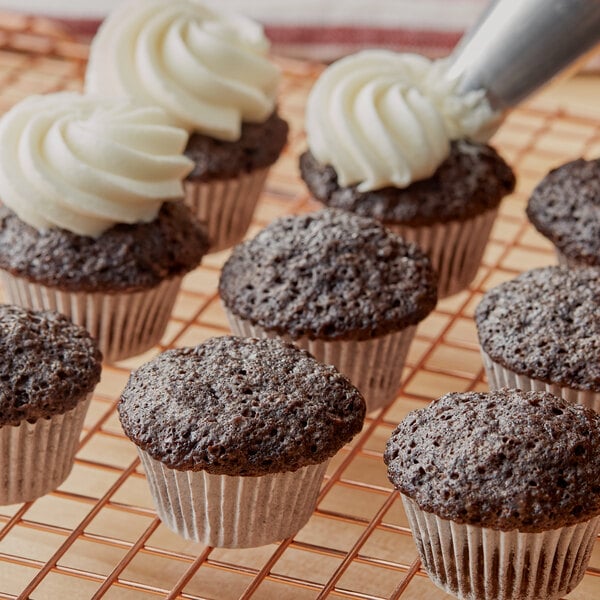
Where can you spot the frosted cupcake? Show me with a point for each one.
(89, 226)
(389, 138)
(338, 285)
(235, 436)
(541, 331)
(501, 492)
(209, 70)
(565, 208)
(48, 369)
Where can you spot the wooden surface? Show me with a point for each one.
(98, 536)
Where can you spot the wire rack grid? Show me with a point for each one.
(98, 536)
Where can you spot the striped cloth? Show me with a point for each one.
(316, 29)
(328, 29)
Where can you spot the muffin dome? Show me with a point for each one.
(240, 406)
(545, 324)
(329, 275)
(47, 364)
(506, 460)
(565, 207)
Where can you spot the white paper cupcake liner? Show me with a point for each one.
(499, 377)
(35, 458)
(233, 512)
(455, 248)
(226, 206)
(124, 324)
(373, 366)
(478, 563)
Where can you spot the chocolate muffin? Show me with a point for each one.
(48, 369)
(508, 482)
(247, 426)
(565, 208)
(541, 330)
(338, 285)
(392, 136)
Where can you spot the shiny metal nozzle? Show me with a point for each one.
(518, 45)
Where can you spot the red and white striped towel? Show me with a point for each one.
(319, 29)
(328, 29)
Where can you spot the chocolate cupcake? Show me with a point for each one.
(235, 436)
(338, 285)
(389, 138)
(501, 492)
(92, 230)
(223, 93)
(541, 331)
(48, 369)
(565, 208)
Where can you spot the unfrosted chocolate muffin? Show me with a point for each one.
(507, 460)
(501, 492)
(545, 325)
(258, 147)
(472, 180)
(125, 258)
(235, 436)
(328, 275)
(239, 406)
(48, 369)
(565, 207)
(48, 365)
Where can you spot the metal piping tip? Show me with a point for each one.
(519, 45)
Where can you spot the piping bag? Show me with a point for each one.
(518, 45)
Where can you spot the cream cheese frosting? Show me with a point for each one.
(208, 69)
(381, 118)
(84, 164)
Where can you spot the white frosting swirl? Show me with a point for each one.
(386, 119)
(207, 69)
(84, 164)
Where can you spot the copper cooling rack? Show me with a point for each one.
(98, 536)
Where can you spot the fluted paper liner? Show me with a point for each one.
(233, 511)
(499, 377)
(455, 248)
(373, 366)
(479, 563)
(124, 324)
(35, 458)
(226, 206)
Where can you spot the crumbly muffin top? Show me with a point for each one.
(240, 406)
(329, 275)
(472, 180)
(565, 207)
(545, 324)
(259, 146)
(123, 258)
(47, 364)
(507, 460)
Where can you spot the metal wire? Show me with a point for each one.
(98, 536)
